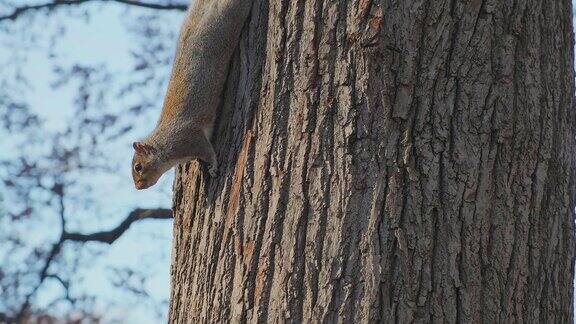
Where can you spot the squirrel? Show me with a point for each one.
(208, 37)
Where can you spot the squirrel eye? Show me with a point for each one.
(138, 167)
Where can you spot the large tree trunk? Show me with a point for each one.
(389, 161)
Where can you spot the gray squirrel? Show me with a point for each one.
(208, 38)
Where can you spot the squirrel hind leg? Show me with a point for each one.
(205, 151)
(208, 129)
(211, 159)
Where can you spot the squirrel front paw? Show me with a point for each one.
(213, 171)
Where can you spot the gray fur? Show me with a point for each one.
(208, 38)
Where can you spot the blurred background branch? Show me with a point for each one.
(81, 81)
(112, 235)
(16, 12)
(103, 237)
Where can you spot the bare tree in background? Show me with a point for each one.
(387, 161)
(39, 177)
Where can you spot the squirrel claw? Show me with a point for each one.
(213, 171)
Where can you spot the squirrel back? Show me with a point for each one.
(208, 38)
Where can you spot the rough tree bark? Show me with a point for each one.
(391, 161)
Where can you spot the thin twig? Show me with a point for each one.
(61, 3)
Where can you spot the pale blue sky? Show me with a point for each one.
(104, 39)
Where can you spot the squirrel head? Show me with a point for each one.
(146, 168)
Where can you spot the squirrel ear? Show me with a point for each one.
(142, 148)
(137, 146)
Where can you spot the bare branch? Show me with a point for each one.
(104, 237)
(112, 235)
(59, 3)
(65, 284)
(180, 7)
(56, 247)
(4, 318)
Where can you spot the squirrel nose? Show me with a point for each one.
(140, 185)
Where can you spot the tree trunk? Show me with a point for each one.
(392, 161)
